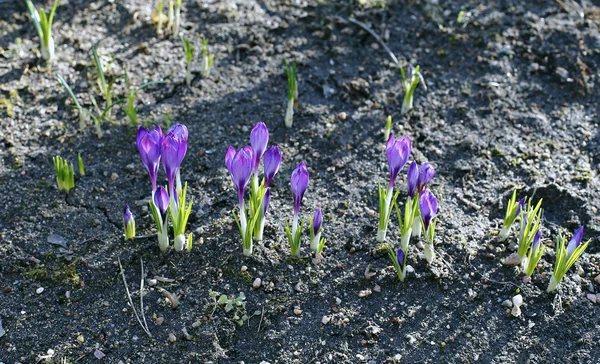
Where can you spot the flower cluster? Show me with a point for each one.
(421, 205)
(171, 148)
(243, 166)
(566, 256)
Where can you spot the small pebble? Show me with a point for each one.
(377, 288)
(507, 303)
(297, 311)
(244, 268)
(159, 320)
(513, 260)
(172, 337)
(597, 279)
(39, 290)
(517, 300)
(343, 116)
(80, 339)
(98, 354)
(196, 324)
(114, 177)
(364, 293)
(516, 311)
(257, 283)
(50, 352)
(325, 320)
(186, 335)
(151, 282)
(591, 297)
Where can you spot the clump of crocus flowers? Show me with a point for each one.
(244, 167)
(566, 256)
(154, 146)
(529, 251)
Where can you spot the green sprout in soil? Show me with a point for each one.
(410, 85)
(80, 164)
(388, 128)
(530, 225)
(159, 17)
(43, 25)
(105, 87)
(513, 209)
(207, 59)
(188, 49)
(130, 109)
(174, 16)
(292, 93)
(535, 254)
(398, 259)
(83, 114)
(229, 304)
(566, 256)
(65, 177)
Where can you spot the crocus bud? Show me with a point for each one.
(521, 206)
(240, 168)
(149, 146)
(179, 130)
(397, 151)
(428, 204)
(272, 163)
(317, 221)
(259, 138)
(536, 240)
(173, 149)
(574, 243)
(400, 256)
(426, 173)
(299, 182)
(412, 178)
(128, 224)
(161, 201)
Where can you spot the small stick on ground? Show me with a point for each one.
(142, 294)
(131, 300)
(261, 319)
(377, 38)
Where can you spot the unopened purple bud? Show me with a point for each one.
(536, 240)
(240, 168)
(575, 241)
(149, 146)
(428, 204)
(299, 182)
(412, 178)
(161, 201)
(397, 151)
(173, 151)
(127, 215)
(426, 173)
(272, 163)
(521, 206)
(259, 138)
(400, 256)
(180, 130)
(317, 221)
(266, 201)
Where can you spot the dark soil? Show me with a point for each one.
(512, 102)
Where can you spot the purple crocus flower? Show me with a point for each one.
(259, 138)
(127, 215)
(240, 168)
(412, 178)
(397, 151)
(400, 256)
(317, 221)
(161, 201)
(429, 207)
(266, 201)
(426, 173)
(299, 182)
(272, 163)
(180, 130)
(536, 240)
(173, 149)
(574, 243)
(149, 146)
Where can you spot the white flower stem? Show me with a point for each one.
(289, 114)
(405, 240)
(553, 285)
(314, 244)
(417, 227)
(179, 242)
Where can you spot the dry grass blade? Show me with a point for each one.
(131, 300)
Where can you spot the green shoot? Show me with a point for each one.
(188, 50)
(294, 239)
(179, 217)
(130, 109)
(105, 87)
(82, 112)
(65, 177)
(292, 92)
(43, 26)
(159, 17)
(566, 256)
(170, 15)
(409, 88)
(177, 21)
(207, 59)
(399, 266)
(512, 212)
(530, 224)
(388, 128)
(102, 114)
(80, 164)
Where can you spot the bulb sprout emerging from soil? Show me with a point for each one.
(410, 85)
(292, 93)
(43, 26)
(566, 256)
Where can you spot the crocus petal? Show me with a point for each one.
(180, 130)
(317, 221)
(127, 215)
(428, 204)
(397, 151)
(229, 157)
(536, 240)
(299, 182)
(426, 173)
(241, 169)
(521, 206)
(400, 256)
(575, 241)
(272, 163)
(161, 201)
(148, 143)
(266, 201)
(412, 178)
(259, 138)
(173, 150)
